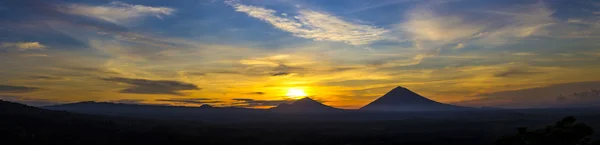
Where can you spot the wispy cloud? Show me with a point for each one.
(511, 72)
(16, 89)
(78, 70)
(118, 12)
(315, 25)
(519, 22)
(43, 77)
(144, 86)
(128, 51)
(276, 65)
(22, 46)
(246, 102)
(578, 28)
(190, 101)
(425, 25)
(557, 95)
(524, 54)
(257, 93)
(379, 5)
(432, 30)
(35, 55)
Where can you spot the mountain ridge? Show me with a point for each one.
(398, 99)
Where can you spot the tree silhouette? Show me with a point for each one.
(563, 132)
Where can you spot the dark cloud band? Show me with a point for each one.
(144, 86)
(246, 102)
(16, 89)
(195, 101)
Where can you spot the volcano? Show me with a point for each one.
(305, 105)
(402, 99)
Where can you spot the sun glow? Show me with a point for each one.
(295, 93)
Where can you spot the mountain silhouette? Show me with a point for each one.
(206, 106)
(402, 99)
(7, 107)
(150, 111)
(304, 105)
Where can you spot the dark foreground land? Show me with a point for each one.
(20, 124)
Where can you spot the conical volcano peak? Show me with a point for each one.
(403, 93)
(306, 100)
(205, 106)
(304, 105)
(403, 99)
(401, 89)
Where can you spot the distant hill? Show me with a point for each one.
(306, 105)
(24, 125)
(402, 99)
(6, 106)
(157, 111)
(16, 108)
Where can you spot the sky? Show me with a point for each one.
(261, 53)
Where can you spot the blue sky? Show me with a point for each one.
(251, 53)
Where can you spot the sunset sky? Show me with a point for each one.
(260, 53)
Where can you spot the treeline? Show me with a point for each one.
(564, 132)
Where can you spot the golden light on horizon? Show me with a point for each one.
(295, 93)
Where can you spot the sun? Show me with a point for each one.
(295, 93)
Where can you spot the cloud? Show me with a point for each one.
(85, 70)
(42, 77)
(133, 47)
(578, 28)
(69, 20)
(425, 25)
(194, 101)
(524, 54)
(245, 102)
(118, 12)
(143, 86)
(276, 65)
(576, 94)
(315, 25)
(432, 30)
(16, 89)
(359, 82)
(379, 5)
(73, 21)
(283, 70)
(576, 21)
(91, 69)
(195, 73)
(225, 72)
(280, 74)
(28, 101)
(459, 46)
(35, 55)
(257, 93)
(23, 46)
(519, 22)
(511, 72)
